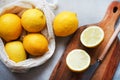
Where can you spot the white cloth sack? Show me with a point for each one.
(16, 7)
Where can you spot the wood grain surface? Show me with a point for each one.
(107, 68)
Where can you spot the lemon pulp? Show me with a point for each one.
(92, 36)
(78, 60)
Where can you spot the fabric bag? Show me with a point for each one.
(18, 7)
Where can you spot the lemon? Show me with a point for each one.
(10, 27)
(92, 36)
(78, 60)
(65, 23)
(33, 20)
(35, 44)
(15, 51)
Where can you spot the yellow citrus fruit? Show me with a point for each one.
(15, 51)
(35, 44)
(78, 60)
(65, 23)
(10, 27)
(92, 36)
(33, 20)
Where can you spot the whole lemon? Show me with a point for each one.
(65, 23)
(15, 51)
(33, 20)
(35, 44)
(10, 27)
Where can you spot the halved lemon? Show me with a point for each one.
(78, 60)
(92, 36)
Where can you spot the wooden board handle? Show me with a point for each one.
(112, 14)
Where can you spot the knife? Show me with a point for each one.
(91, 70)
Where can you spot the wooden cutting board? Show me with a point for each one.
(108, 67)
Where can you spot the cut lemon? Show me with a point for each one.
(92, 36)
(78, 60)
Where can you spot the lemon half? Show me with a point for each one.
(92, 36)
(78, 60)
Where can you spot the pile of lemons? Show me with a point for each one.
(11, 28)
(32, 21)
